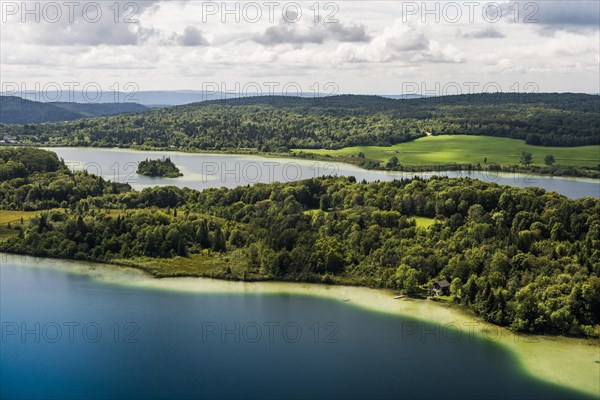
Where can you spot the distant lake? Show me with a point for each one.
(68, 335)
(205, 170)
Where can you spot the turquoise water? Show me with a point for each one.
(216, 170)
(67, 336)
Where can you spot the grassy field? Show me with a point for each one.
(205, 264)
(13, 218)
(432, 150)
(424, 222)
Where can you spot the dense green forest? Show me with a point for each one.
(33, 179)
(281, 123)
(522, 258)
(162, 167)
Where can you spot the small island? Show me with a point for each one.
(162, 167)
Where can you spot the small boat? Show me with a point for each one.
(346, 300)
(400, 297)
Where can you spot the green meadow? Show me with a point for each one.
(11, 219)
(445, 149)
(424, 222)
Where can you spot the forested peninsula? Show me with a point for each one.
(521, 258)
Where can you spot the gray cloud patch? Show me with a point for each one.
(94, 29)
(354, 33)
(558, 14)
(285, 34)
(191, 37)
(319, 33)
(82, 34)
(488, 33)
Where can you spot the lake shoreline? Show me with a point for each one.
(570, 362)
(208, 170)
(359, 163)
(426, 168)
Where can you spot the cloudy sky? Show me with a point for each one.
(389, 47)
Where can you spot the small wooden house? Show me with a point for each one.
(441, 288)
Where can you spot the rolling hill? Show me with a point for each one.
(15, 110)
(272, 123)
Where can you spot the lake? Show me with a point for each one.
(76, 330)
(205, 170)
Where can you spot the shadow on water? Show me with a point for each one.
(120, 342)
